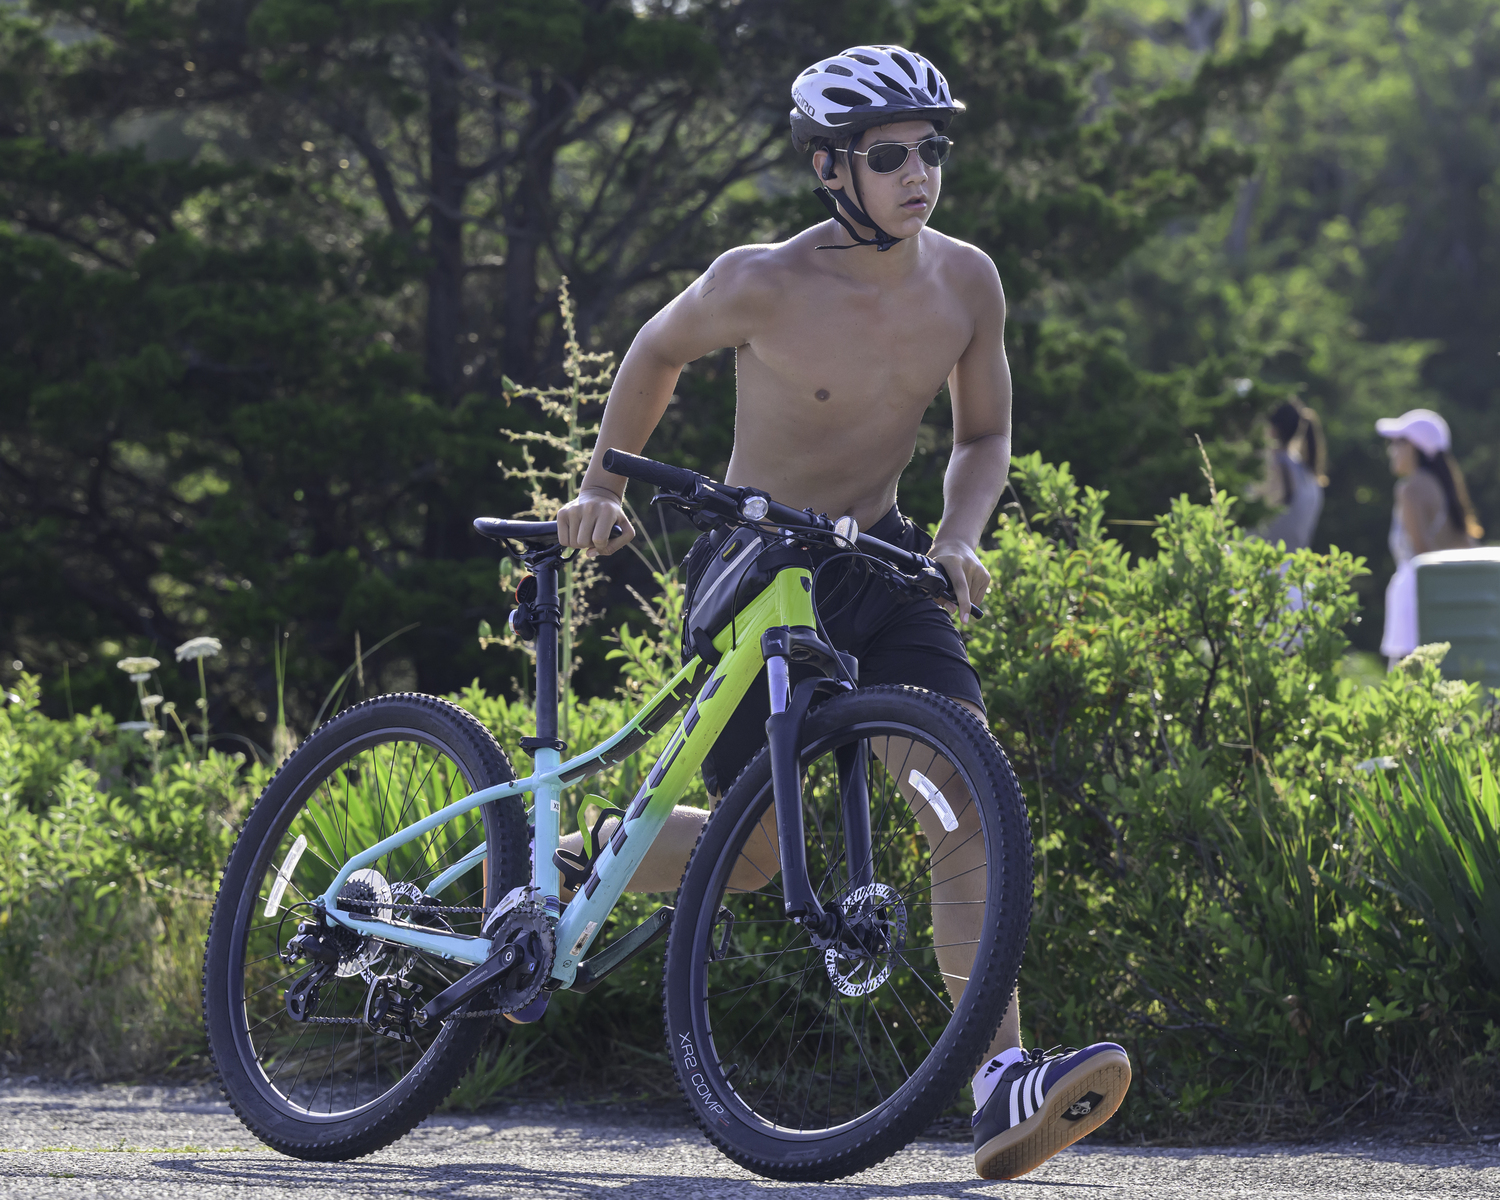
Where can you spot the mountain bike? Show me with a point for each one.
(843, 945)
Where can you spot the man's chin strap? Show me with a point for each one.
(882, 241)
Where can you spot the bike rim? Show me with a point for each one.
(806, 1045)
(337, 1064)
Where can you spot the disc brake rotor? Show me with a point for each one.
(368, 896)
(875, 934)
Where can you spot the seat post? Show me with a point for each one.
(545, 749)
(548, 625)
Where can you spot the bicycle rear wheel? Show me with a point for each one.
(809, 1062)
(352, 1076)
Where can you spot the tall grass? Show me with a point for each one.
(1433, 826)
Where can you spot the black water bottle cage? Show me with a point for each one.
(576, 868)
(523, 618)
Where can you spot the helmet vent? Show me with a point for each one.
(845, 96)
(836, 69)
(892, 84)
(905, 64)
(866, 59)
(932, 87)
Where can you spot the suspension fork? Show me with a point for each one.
(854, 796)
(781, 647)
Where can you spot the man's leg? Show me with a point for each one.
(661, 869)
(959, 874)
(958, 864)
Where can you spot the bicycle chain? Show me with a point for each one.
(423, 908)
(484, 1014)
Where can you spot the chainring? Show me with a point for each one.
(531, 932)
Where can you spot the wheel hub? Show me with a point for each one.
(873, 934)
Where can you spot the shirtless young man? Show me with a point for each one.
(843, 334)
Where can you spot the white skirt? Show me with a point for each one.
(1401, 636)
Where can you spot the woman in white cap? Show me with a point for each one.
(1432, 513)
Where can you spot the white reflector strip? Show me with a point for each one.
(284, 876)
(935, 798)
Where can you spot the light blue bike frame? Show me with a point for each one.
(718, 692)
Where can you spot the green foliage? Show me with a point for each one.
(1434, 836)
(1355, 266)
(498, 1068)
(106, 871)
(1185, 739)
(1219, 886)
(261, 289)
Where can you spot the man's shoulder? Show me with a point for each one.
(964, 260)
(758, 266)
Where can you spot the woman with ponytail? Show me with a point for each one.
(1296, 474)
(1432, 513)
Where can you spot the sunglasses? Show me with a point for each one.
(886, 157)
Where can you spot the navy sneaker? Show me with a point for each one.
(1045, 1101)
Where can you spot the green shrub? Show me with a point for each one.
(106, 873)
(1184, 738)
(1212, 888)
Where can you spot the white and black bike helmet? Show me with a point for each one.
(838, 98)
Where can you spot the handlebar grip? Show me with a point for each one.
(648, 470)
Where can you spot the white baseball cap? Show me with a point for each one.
(1422, 427)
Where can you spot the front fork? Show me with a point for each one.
(781, 647)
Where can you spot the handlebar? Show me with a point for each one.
(647, 470)
(730, 502)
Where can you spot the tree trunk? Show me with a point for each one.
(528, 219)
(445, 241)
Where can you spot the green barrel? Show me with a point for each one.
(1458, 601)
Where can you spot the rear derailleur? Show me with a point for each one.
(391, 1003)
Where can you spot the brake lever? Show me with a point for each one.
(939, 576)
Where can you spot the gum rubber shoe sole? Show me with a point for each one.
(1057, 1123)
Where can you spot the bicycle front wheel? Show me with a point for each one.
(809, 1061)
(334, 1071)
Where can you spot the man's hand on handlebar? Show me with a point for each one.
(965, 572)
(585, 522)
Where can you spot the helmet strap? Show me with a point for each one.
(882, 241)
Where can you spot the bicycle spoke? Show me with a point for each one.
(821, 1032)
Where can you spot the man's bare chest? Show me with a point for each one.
(831, 346)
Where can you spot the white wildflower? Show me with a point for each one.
(199, 647)
(1384, 763)
(150, 702)
(134, 726)
(141, 678)
(154, 736)
(142, 665)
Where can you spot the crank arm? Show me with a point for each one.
(476, 980)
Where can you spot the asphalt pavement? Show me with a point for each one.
(184, 1144)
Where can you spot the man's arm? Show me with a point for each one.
(980, 389)
(718, 310)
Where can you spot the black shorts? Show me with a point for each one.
(897, 639)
